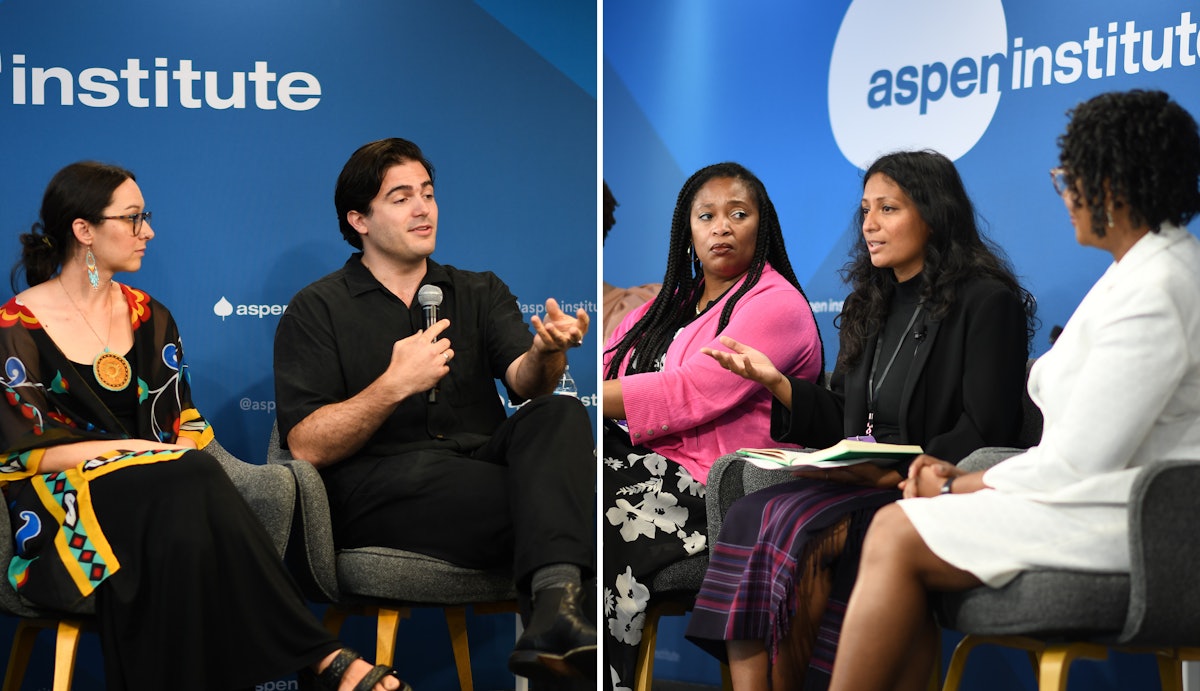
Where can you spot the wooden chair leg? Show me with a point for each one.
(18, 657)
(456, 621)
(65, 647)
(935, 680)
(387, 626)
(334, 618)
(1056, 662)
(958, 661)
(1170, 670)
(644, 672)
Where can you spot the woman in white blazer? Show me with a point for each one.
(1120, 388)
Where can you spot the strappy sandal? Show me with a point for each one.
(331, 677)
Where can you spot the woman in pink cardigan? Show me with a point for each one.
(672, 410)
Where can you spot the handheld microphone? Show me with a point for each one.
(430, 298)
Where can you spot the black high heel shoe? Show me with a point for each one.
(331, 677)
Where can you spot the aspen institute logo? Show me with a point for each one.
(931, 76)
(925, 77)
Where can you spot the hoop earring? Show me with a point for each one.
(93, 276)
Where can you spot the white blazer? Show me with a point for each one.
(1121, 386)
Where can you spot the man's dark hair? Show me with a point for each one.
(362, 176)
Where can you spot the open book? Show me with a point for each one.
(845, 452)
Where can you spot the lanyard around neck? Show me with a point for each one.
(873, 387)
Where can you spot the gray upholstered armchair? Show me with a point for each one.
(1059, 616)
(380, 582)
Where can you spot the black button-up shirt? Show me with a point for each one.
(336, 337)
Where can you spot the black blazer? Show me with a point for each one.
(962, 390)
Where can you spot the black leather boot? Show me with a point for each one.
(559, 640)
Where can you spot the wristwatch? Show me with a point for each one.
(946, 486)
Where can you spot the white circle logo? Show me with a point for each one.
(916, 75)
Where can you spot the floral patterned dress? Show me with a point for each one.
(656, 517)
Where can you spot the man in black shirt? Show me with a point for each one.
(449, 476)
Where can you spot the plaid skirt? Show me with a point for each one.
(771, 543)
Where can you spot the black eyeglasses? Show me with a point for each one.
(136, 219)
(1058, 178)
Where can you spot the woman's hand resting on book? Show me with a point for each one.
(866, 474)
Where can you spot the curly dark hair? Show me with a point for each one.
(684, 279)
(955, 252)
(1137, 148)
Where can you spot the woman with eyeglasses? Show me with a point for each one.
(1117, 391)
(107, 487)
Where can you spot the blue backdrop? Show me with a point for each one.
(806, 94)
(237, 117)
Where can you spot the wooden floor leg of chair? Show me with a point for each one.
(958, 661)
(334, 618)
(1170, 670)
(1056, 662)
(18, 657)
(65, 646)
(644, 672)
(456, 621)
(387, 626)
(1035, 661)
(935, 680)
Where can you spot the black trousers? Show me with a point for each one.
(524, 500)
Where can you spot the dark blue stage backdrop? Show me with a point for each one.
(806, 94)
(237, 117)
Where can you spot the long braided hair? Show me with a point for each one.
(683, 283)
(956, 252)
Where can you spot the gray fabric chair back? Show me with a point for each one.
(269, 490)
(1164, 601)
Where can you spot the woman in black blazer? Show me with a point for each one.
(934, 337)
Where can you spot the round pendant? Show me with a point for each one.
(112, 371)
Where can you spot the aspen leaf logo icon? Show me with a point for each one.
(223, 308)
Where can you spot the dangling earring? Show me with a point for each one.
(1108, 215)
(93, 276)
